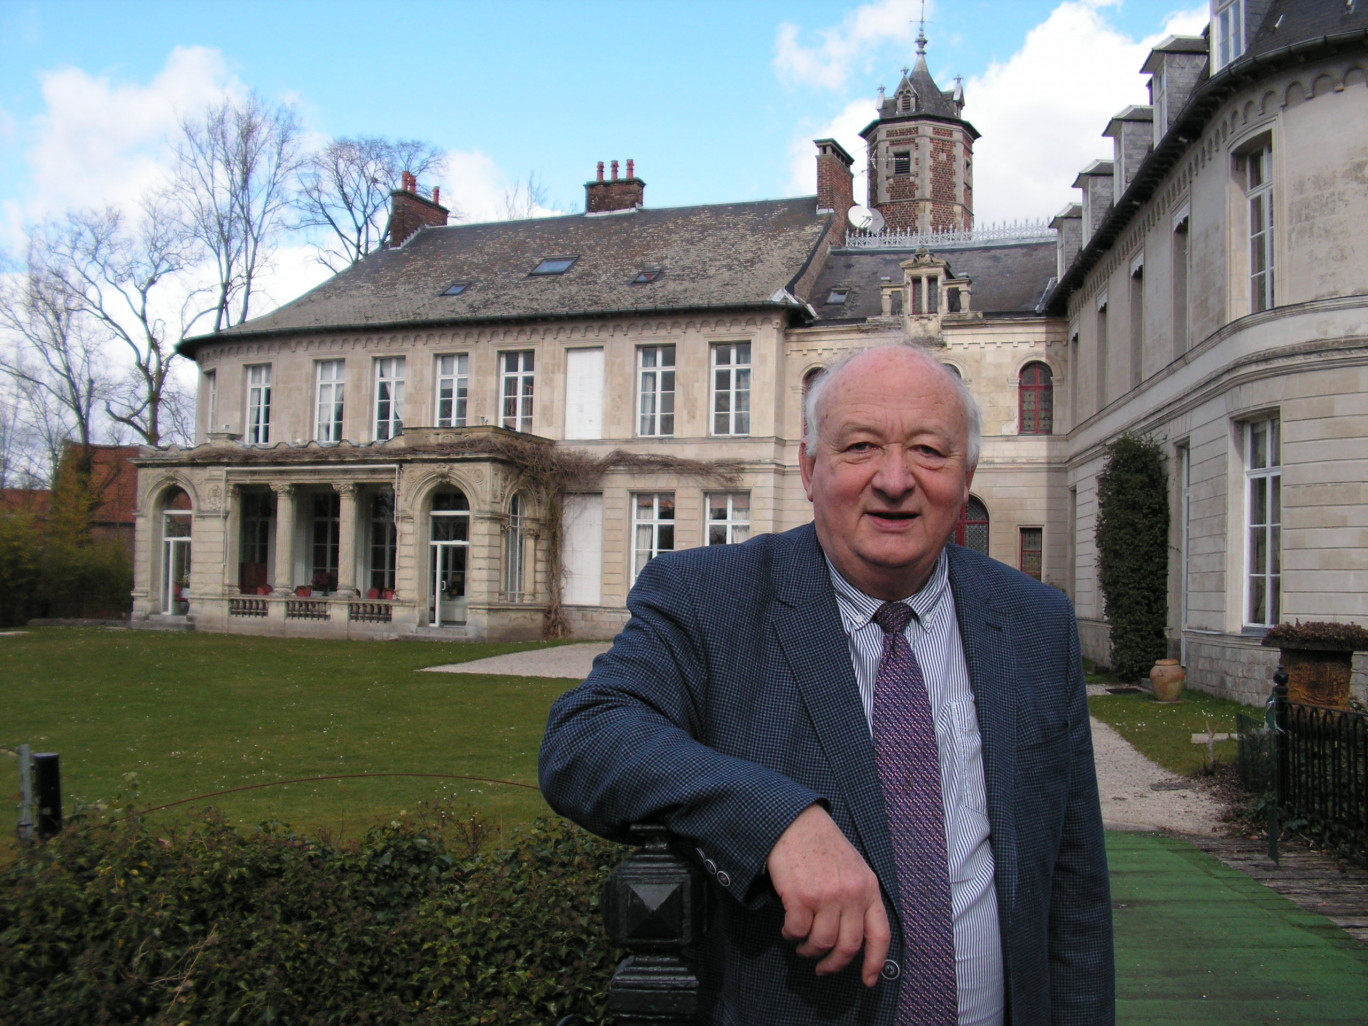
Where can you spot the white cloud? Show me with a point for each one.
(1041, 112)
(865, 30)
(101, 142)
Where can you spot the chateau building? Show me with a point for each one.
(485, 425)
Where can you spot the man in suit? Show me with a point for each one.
(759, 702)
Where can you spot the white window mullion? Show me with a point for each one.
(389, 397)
(653, 520)
(731, 388)
(453, 387)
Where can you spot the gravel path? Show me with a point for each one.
(1136, 793)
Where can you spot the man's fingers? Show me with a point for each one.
(797, 921)
(825, 932)
(847, 944)
(876, 939)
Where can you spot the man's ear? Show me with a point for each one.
(805, 465)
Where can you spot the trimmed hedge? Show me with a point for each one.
(1132, 553)
(114, 924)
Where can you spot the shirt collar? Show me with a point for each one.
(858, 609)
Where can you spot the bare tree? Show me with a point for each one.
(345, 187)
(235, 169)
(54, 358)
(527, 198)
(123, 277)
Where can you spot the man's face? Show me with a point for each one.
(889, 474)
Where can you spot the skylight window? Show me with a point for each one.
(555, 265)
(837, 296)
(647, 276)
(456, 288)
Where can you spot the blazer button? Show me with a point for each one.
(723, 878)
(891, 970)
(710, 866)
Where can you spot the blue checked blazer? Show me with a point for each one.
(728, 704)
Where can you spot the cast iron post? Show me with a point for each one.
(47, 777)
(654, 905)
(1278, 739)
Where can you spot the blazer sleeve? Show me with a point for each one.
(1082, 972)
(624, 747)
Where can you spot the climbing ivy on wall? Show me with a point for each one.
(1132, 553)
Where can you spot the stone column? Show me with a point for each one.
(346, 537)
(232, 537)
(285, 529)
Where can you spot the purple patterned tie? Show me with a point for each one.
(909, 772)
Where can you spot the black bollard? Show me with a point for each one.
(655, 905)
(47, 792)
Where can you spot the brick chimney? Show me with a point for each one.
(602, 197)
(835, 183)
(409, 211)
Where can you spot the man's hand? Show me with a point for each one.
(830, 895)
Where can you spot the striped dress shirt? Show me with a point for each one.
(933, 633)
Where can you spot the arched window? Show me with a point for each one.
(449, 545)
(971, 530)
(1035, 395)
(176, 526)
(514, 550)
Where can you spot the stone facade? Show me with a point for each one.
(1220, 309)
(1207, 291)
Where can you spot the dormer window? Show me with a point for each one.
(902, 162)
(1227, 32)
(904, 103)
(554, 265)
(647, 276)
(456, 288)
(837, 297)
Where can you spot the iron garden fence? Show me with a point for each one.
(1312, 762)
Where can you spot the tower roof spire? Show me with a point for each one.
(921, 32)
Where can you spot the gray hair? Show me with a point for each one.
(812, 401)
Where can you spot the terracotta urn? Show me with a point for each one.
(1167, 680)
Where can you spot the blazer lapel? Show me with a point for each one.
(807, 628)
(986, 634)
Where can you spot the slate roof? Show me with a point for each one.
(1288, 22)
(1009, 279)
(725, 255)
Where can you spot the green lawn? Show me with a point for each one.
(182, 715)
(1163, 730)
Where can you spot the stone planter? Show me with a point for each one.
(1167, 679)
(1319, 659)
(1318, 673)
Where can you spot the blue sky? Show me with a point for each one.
(715, 101)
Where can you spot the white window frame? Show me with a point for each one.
(329, 399)
(452, 400)
(731, 388)
(1263, 521)
(257, 420)
(653, 526)
(655, 391)
(517, 387)
(1227, 33)
(728, 518)
(1259, 198)
(389, 397)
(515, 585)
